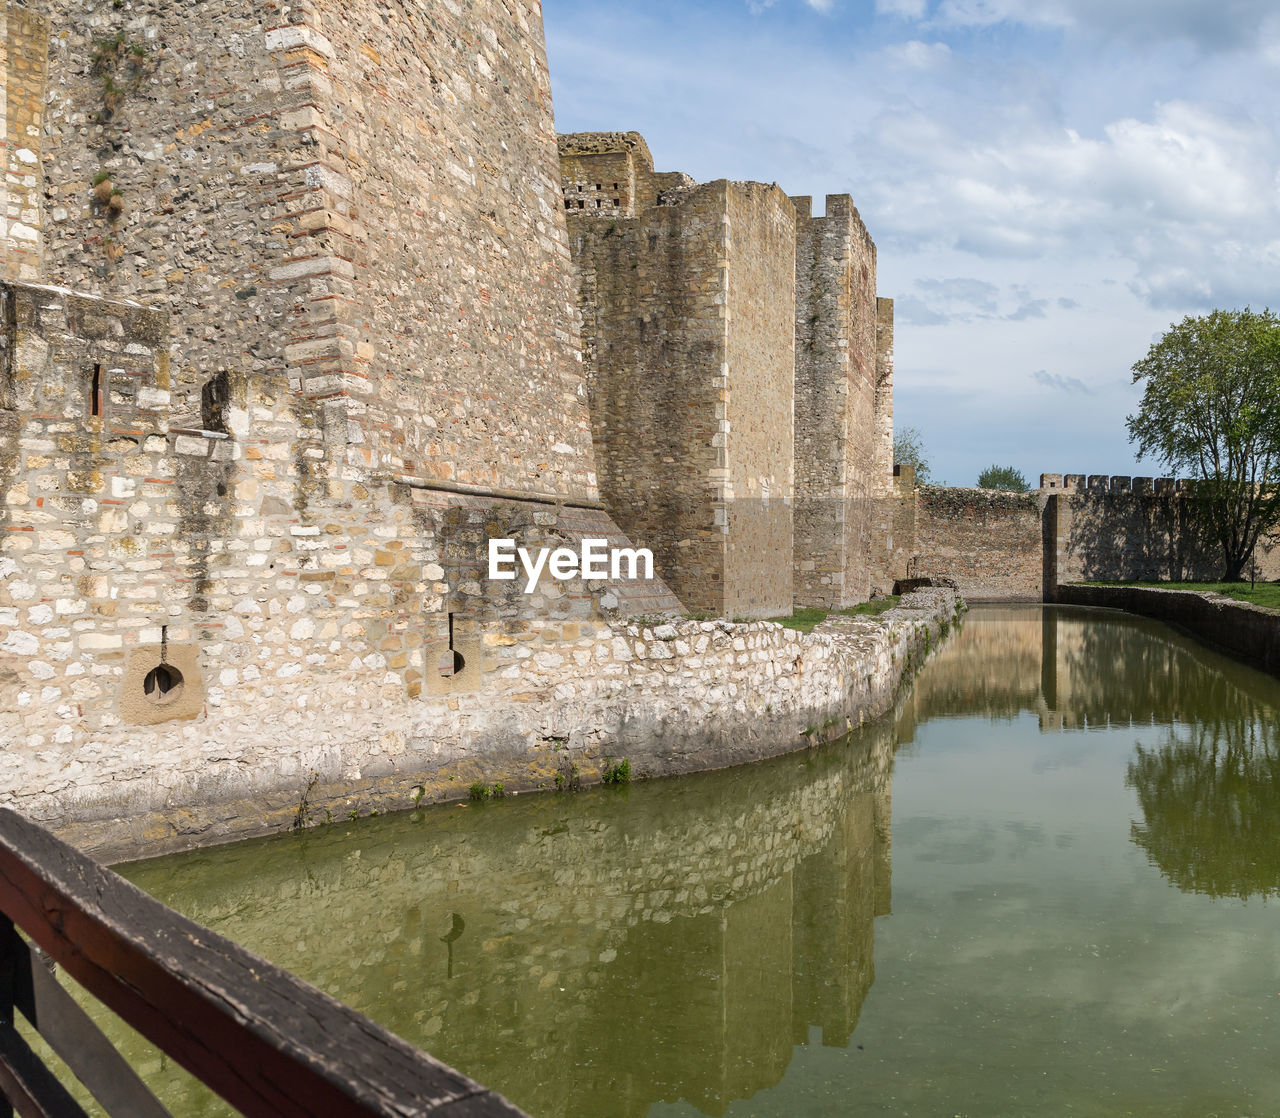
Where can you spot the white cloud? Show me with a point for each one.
(1174, 194)
(985, 13)
(1225, 24)
(1058, 382)
(823, 6)
(907, 9)
(918, 55)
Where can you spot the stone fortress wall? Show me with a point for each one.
(289, 330)
(844, 403)
(24, 37)
(1075, 527)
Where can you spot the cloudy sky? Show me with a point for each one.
(1050, 183)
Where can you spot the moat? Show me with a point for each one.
(1046, 885)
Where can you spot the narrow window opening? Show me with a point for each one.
(451, 661)
(95, 392)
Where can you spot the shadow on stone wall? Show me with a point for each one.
(1132, 536)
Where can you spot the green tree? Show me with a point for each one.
(1211, 408)
(908, 450)
(1003, 477)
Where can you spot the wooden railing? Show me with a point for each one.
(267, 1042)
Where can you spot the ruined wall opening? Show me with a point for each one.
(215, 395)
(95, 392)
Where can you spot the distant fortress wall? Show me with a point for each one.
(998, 545)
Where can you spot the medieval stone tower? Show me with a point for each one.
(740, 373)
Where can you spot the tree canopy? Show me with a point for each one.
(908, 450)
(1003, 477)
(1211, 408)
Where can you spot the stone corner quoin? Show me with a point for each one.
(296, 317)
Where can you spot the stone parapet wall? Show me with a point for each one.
(1133, 529)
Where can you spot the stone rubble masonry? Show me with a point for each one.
(262, 413)
(843, 403)
(988, 541)
(359, 199)
(673, 697)
(308, 612)
(289, 594)
(688, 296)
(24, 37)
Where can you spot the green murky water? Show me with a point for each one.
(1048, 886)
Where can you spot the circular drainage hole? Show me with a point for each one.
(163, 684)
(450, 663)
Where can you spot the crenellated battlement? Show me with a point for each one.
(1113, 483)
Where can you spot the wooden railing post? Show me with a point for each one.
(8, 981)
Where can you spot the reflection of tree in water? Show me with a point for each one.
(1210, 801)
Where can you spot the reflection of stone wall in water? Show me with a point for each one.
(992, 662)
(1073, 668)
(676, 944)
